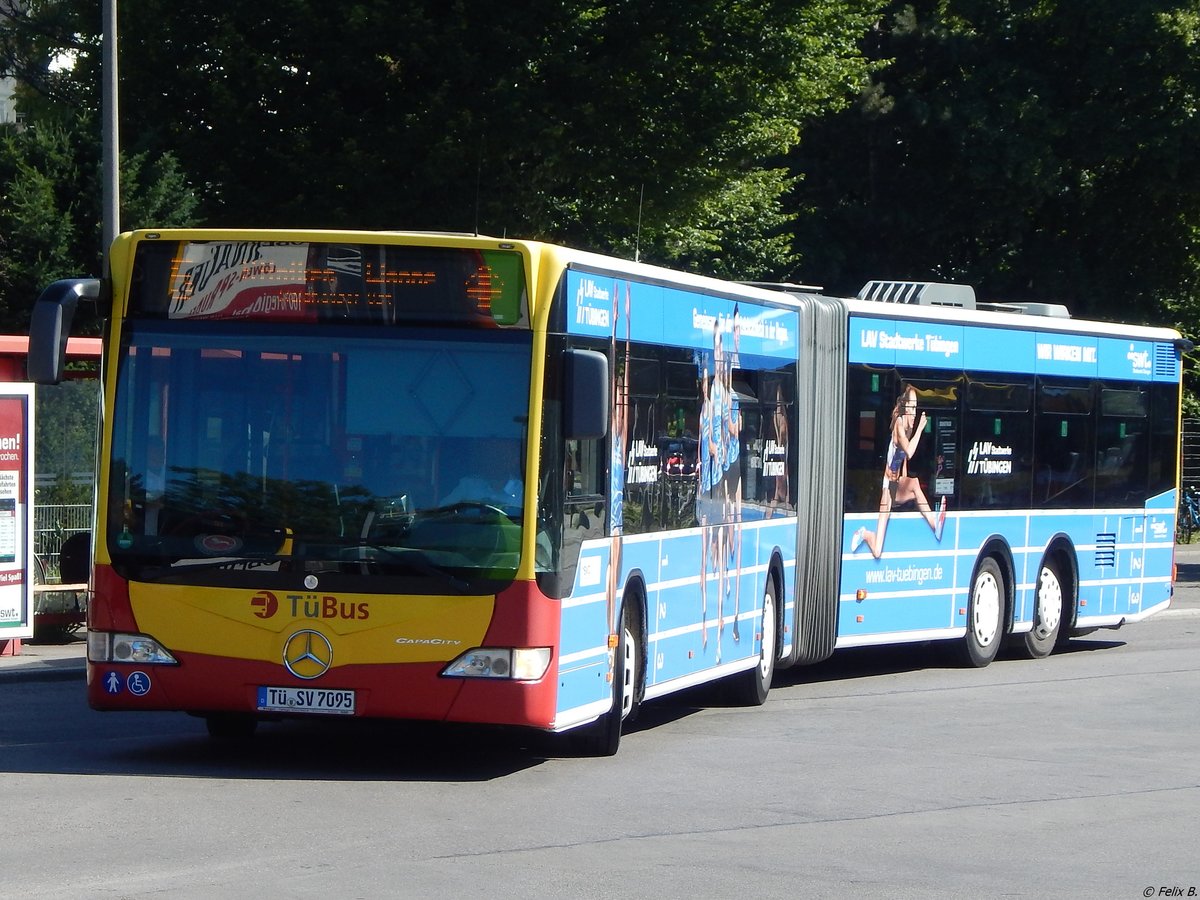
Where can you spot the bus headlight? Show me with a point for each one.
(518, 664)
(107, 646)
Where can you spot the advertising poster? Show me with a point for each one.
(226, 280)
(16, 520)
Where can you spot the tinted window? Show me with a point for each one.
(1164, 438)
(998, 443)
(871, 398)
(1122, 446)
(1063, 440)
(870, 395)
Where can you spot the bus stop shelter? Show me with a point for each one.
(14, 350)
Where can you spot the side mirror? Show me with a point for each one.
(50, 326)
(585, 395)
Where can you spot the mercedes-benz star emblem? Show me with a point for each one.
(308, 654)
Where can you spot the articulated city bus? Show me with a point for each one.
(459, 478)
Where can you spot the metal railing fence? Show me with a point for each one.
(53, 524)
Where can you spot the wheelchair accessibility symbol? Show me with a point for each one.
(137, 683)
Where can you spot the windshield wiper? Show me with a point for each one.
(167, 566)
(414, 559)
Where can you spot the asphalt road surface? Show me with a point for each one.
(885, 774)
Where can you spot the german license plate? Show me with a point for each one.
(306, 700)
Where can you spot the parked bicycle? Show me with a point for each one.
(1187, 522)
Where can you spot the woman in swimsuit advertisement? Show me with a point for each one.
(898, 486)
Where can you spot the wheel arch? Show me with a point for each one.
(775, 576)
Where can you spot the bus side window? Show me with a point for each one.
(583, 501)
(998, 445)
(643, 415)
(1121, 442)
(571, 489)
(1164, 438)
(1062, 449)
(870, 396)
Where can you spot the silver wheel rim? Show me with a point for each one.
(628, 674)
(985, 609)
(1049, 608)
(767, 655)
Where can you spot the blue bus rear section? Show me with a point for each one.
(1115, 558)
(919, 589)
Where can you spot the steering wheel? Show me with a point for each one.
(196, 524)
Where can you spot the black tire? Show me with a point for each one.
(1183, 526)
(1049, 608)
(603, 737)
(39, 577)
(750, 688)
(985, 615)
(231, 726)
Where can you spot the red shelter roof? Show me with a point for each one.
(15, 347)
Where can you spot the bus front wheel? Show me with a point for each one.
(985, 615)
(603, 737)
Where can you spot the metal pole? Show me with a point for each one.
(111, 174)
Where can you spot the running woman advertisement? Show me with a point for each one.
(16, 528)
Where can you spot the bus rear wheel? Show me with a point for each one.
(985, 615)
(1047, 615)
(750, 688)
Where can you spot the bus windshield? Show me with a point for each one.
(244, 448)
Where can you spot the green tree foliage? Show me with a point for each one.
(50, 187)
(1039, 149)
(50, 207)
(37, 169)
(565, 120)
(1036, 148)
